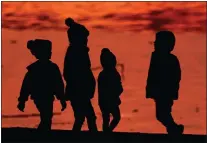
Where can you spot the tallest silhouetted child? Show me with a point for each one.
(163, 80)
(80, 82)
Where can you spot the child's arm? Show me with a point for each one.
(65, 69)
(176, 78)
(100, 86)
(25, 89)
(85, 30)
(150, 79)
(24, 92)
(59, 88)
(178, 71)
(120, 87)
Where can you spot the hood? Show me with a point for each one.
(38, 64)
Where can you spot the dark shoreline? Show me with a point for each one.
(31, 135)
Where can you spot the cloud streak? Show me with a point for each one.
(137, 16)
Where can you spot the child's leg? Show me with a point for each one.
(163, 114)
(105, 117)
(116, 118)
(78, 114)
(90, 115)
(46, 113)
(40, 126)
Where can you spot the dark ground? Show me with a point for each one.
(31, 135)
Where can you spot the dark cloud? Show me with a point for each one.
(135, 27)
(36, 26)
(130, 17)
(203, 23)
(47, 18)
(109, 16)
(23, 21)
(103, 27)
(20, 27)
(182, 13)
(43, 17)
(180, 19)
(197, 13)
(152, 20)
(123, 17)
(10, 22)
(83, 19)
(156, 12)
(13, 24)
(193, 29)
(187, 13)
(10, 14)
(160, 19)
(99, 27)
(157, 24)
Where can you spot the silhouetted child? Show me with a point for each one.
(163, 80)
(109, 90)
(80, 81)
(42, 81)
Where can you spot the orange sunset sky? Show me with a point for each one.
(127, 28)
